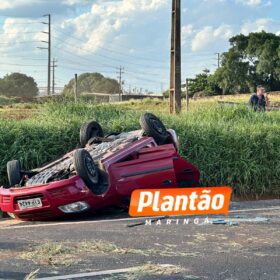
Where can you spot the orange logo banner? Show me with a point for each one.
(171, 202)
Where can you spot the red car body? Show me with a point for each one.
(141, 164)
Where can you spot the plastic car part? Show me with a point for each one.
(13, 170)
(90, 130)
(153, 127)
(75, 207)
(87, 170)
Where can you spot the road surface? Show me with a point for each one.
(114, 246)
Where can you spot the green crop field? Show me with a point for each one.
(231, 146)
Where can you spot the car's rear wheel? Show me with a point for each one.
(88, 171)
(3, 215)
(153, 127)
(90, 130)
(13, 171)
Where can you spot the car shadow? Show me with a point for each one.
(106, 214)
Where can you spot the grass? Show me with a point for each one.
(6, 100)
(231, 146)
(156, 270)
(66, 253)
(140, 272)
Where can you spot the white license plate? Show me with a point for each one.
(30, 203)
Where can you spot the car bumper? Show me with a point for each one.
(51, 195)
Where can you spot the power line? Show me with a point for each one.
(26, 22)
(108, 57)
(89, 60)
(23, 57)
(110, 50)
(16, 64)
(19, 42)
(22, 32)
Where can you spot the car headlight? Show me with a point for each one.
(75, 207)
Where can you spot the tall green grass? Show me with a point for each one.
(230, 146)
(6, 100)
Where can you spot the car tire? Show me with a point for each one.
(13, 171)
(90, 130)
(3, 215)
(87, 170)
(153, 127)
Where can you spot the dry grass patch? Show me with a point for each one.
(155, 270)
(51, 254)
(67, 253)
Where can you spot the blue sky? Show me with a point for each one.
(101, 35)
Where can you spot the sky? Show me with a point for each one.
(102, 35)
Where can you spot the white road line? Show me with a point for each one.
(98, 273)
(123, 219)
(255, 209)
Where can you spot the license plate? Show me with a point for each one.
(30, 203)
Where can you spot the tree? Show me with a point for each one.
(251, 60)
(92, 83)
(17, 84)
(204, 83)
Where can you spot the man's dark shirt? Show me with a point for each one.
(258, 104)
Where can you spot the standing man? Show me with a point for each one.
(259, 101)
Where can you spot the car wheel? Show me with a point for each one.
(153, 127)
(13, 170)
(3, 215)
(87, 170)
(90, 130)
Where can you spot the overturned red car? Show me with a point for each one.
(102, 173)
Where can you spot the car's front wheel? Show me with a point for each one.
(88, 171)
(13, 171)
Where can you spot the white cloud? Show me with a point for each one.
(9, 4)
(75, 2)
(107, 19)
(256, 26)
(14, 32)
(187, 33)
(187, 30)
(210, 35)
(255, 3)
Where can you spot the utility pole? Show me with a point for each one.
(53, 76)
(187, 94)
(49, 50)
(175, 61)
(219, 58)
(120, 73)
(76, 88)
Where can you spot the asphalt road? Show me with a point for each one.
(104, 247)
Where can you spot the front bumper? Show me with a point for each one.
(52, 196)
